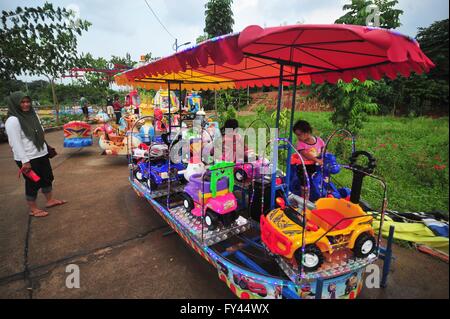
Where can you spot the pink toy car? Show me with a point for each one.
(244, 172)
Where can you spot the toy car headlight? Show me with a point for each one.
(228, 204)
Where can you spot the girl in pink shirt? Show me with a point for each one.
(310, 147)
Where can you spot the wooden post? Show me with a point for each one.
(55, 99)
(215, 101)
(248, 95)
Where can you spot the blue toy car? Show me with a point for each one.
(155, 174)
(320, 181)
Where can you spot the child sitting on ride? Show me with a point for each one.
(231, 140)
(310, 148)
(160, 125)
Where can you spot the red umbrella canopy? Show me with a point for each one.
(318, 52)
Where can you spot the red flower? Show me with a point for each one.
(440, 167)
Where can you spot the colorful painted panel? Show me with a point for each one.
(77, 134)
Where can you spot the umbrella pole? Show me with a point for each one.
(170, 122)
(280, 95)
(291, 124)
(180, 102)
(275, 145)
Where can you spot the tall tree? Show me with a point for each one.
(39, 41)
(201, 38)
(434, 43)
(354, 101)
(124, 60)
(98, 80)
(428, 93)
(357, 13)
(218, 21)
(218, 18)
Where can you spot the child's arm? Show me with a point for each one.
(310, 157)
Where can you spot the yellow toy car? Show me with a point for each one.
(334, 224)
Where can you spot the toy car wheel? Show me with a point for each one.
(262, 295)
(240, 175)
(139, 176)
(152, 184)
(211, 219)
(188, 203)
(312, 259)
(364, 245)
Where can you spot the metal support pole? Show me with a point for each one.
(181, 103)
(288, 161)
(273, 183)
(319, 289)
(387, 258)
(280, 96)
(170, 102)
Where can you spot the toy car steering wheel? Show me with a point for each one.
(371, 165)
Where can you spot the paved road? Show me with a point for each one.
(116, 239)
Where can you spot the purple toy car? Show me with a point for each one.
(210, 195)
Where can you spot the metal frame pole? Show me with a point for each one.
(273, 183)
(288, 161)
(319, 289)
(387, 258)
(181, 106)
(170, 102)
(280, 95)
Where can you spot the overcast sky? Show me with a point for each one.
(120, 26)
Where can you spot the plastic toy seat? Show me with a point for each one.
(116, 138)
(332, 217)
(205, 181)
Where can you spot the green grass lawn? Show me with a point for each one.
(412, 156)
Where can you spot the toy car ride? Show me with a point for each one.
(77, 134)
(154, 174)
(211, 195)
(247, 171)
(320, 182)
(334, 224)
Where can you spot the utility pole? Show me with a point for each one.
(176, 46)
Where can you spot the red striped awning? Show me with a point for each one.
(253, 58)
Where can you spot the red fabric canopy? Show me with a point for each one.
(319, 52)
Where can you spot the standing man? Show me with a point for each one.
(110, 108)
(117, 108)
(84, 107)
